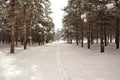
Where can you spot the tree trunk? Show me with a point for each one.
(77, 37)
(30, 33)
(81, 25)
(88, 34)
(117, 33)
(105, 35)
(3, 37)
(110, 37)
(77, 41)
(92, 37)
(82, 35)
(12, 25)
(101, 39)
(25, 35)
(43, 38)
(101, 33)
(16, 35)
(97, 36)
(81, 32)
(117, 27)
(31, 25)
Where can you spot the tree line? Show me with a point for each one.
(25, 22)
(94, 20)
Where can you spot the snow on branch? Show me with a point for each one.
(110, 5)
(83, 16)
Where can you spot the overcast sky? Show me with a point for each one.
(57, 14)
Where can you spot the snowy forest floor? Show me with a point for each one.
(60, 61)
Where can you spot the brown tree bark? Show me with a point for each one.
(16, 34)
(105, 35)
(25, 34)
(77, 35)
(89, 32)
(81, 30)
(101, 40)
(117, 33)
(31, 14)
(101, 33)
(117, 27)
(12, 25)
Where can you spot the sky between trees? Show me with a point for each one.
(57, 12)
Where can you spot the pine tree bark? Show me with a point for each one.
(31, 31)
(25, 34)
(97, 36)
(16, 34)
(117, 27)
(92, 37)
(81, 25)
(105, 35)
(12, 25)
(77, 36)
(110, 36)
(3, 37)
(43, 38)
(81, 30)
(89, 28)
(117, 33)
(101, 40)
(101, 33)
(89, 32)
(31, 14)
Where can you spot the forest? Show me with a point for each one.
(59, 39)
(97, 21)
(25, 22)
(28, 22)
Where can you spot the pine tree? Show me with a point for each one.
(12, 25)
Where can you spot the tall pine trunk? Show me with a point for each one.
(16, 33)
(117, 33)
(110, 36)
(88, 42)
(12, 25)
(77, 36)
(25, 34)
(31, 31)
(31, 14)
(81, 30)
(105, 35)
(117, 27)
(89, 26)
(81, 24)
(101, 39)
(101, 33)
(92, 36)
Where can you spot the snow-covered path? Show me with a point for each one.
(60, 61)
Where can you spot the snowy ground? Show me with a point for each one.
(60, 61)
